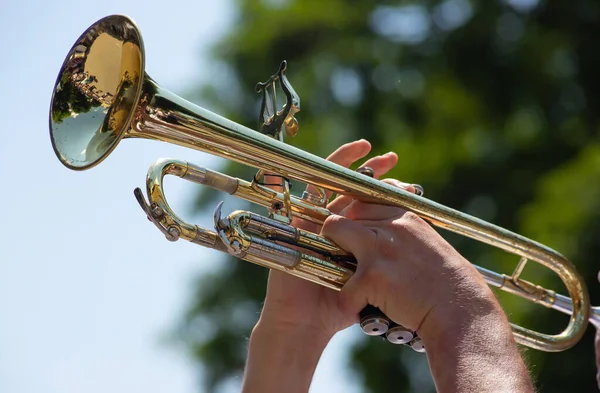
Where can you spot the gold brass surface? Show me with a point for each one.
(103, 95)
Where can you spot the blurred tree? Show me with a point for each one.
(491, 105)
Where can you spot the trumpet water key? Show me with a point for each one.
(103, 95)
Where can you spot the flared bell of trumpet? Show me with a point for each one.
(96, 92)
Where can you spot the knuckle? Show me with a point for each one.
(353, 211)
(331, 223)
(412, 217)
(408, 220)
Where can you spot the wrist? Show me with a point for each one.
(285, 330)
(472, 344)
(464, 300)
(459, 316)
(282, 357)
(277, 317)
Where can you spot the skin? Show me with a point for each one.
(470, 346)
(597, 347)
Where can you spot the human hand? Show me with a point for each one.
(295, 303)
(416, 278)
(300, 317)
(404, 267)
(420, 282)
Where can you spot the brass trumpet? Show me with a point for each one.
(102, 95)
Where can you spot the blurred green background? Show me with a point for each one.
(491, 105)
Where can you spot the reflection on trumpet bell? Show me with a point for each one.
(139, 108)
(96, 91)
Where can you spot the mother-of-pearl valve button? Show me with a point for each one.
(417, 344)
(399, 335)
(374, 326)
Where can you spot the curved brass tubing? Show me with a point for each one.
(103, 95)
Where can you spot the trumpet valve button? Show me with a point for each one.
(374, 326)
(419, 190)
(399, 335)
(365, 170)
(417, 344)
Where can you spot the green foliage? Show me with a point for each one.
(492, 106)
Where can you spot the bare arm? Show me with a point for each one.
(475, 349)
(282, 358)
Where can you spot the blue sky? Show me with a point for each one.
(88, 287)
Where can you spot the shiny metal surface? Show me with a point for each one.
(96, 92)
(375, 326)
(102, 95)
(399, 335)
(417, 345)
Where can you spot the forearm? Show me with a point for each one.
(476, 351)
(282, 359)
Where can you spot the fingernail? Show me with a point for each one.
(400, 184)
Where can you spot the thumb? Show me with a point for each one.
(349, 235)
(358, 240)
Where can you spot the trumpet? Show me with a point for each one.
(102, 95)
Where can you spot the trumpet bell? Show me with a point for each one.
(96, 92)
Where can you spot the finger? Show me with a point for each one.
(351, 299)
(345, 156)
(404, 186)
(358, 210)
(360, 241)
(275, 183)
(349, 153)
(346, 207)
(341, 202)
(382, 164)
(350, 235)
